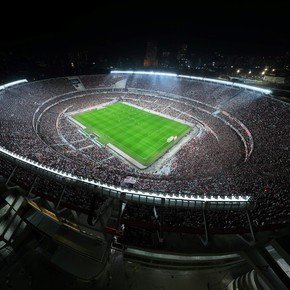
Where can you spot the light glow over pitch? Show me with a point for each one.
(228, 83)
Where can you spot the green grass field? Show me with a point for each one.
(140, 134)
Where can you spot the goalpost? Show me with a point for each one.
(171, 138)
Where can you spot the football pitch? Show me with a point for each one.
(141, 135)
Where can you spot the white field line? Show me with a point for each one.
(159, 114)
(77, 123)
(99, 106)
(125, 133)
(156, 166)
(149, 146)
(126, 156)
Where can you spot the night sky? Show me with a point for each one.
(122, 27)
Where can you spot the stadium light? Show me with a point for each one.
(122, 71)
(13, 84)
(260, 90)
(143, 73)
(118, 189)
(257, 89)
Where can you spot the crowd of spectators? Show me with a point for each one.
(34, 122)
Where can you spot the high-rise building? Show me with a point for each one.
(165, 59)
(182, 59)
(182, 52)
(151, 55)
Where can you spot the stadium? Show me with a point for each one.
(132, 158)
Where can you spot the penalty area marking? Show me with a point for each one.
(119, 149)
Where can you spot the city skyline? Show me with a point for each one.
(242, 29)
(49, 41)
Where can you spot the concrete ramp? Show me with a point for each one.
(120, 84)
(76, 83)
